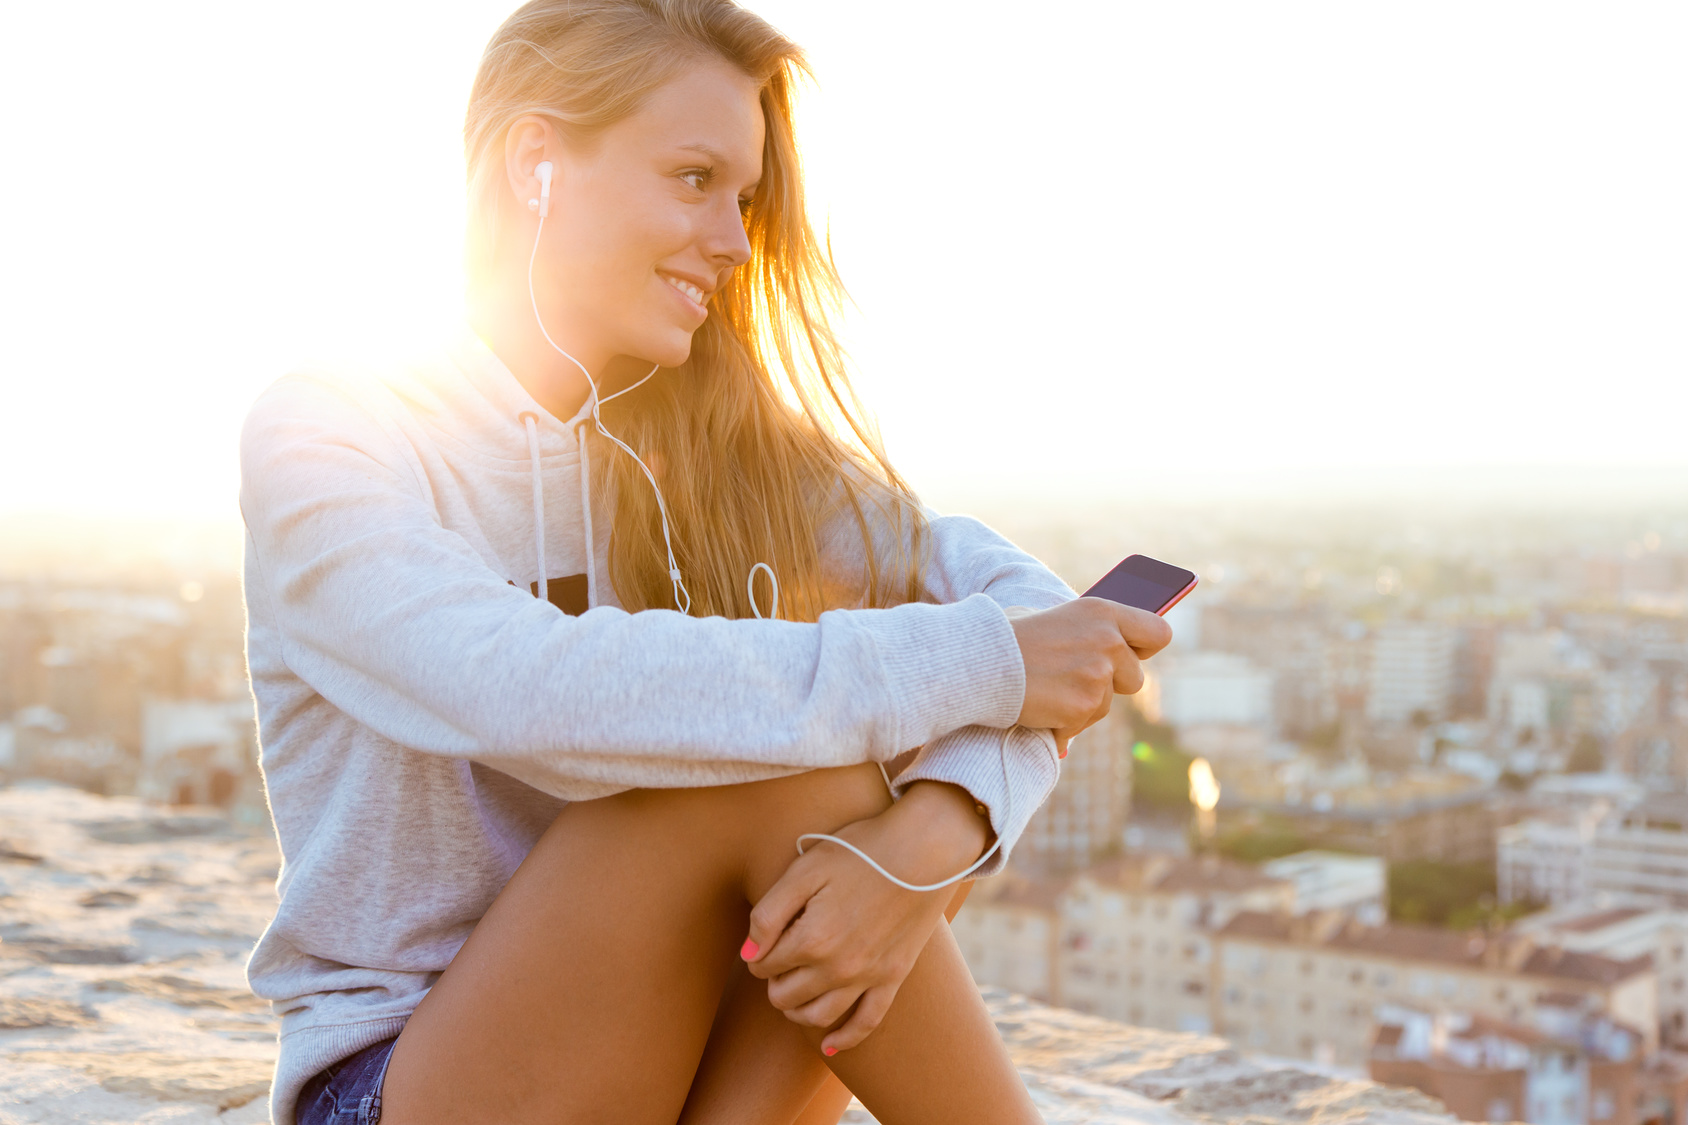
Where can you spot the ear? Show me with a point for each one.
(529, 141)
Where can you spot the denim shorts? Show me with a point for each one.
(349, 1092)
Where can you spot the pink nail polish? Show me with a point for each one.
(830, 1051)
(749, 950)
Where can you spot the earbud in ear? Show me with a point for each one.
(543, 203)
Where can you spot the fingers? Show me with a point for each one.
(1063, 737)
(771, 917)
(1147, 633)
(825, 1009)
(870, 1012)
(792, 992)
(800, 946)
(1101, 713)
(1128, 675)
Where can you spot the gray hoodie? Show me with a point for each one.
(424, 716)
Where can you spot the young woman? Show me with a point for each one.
(563, 635)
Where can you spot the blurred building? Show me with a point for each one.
(1473, 668)
(1085, 815)
(129, 687)
(1211, 688)
(1355, 884)
(1412, 672)
(1654, 749)
(1546, 861)
(1136, 935)
(1637, 852)
(43, 744)
(1643, 852)
(1293, 645)
(1568, 1067)
(1420, 814)
(1625, 932)
(24, 634)
(1007, 932)
(198, 752)
(1549, 681)
(1314, 984)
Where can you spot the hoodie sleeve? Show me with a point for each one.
(401, 624)
(1010, 772)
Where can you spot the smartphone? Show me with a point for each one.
(1145, 583)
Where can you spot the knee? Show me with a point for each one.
(746, 819)
(822, 800)
(812, 797)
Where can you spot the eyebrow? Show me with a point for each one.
(716, 157)
(713, 154)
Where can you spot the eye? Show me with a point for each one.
(698, 177)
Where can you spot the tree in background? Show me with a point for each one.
(1272, 838)
(1160, 769)
(1454, 896)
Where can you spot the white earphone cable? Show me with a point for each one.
(1002, 749)
(682, 598)
(750, 590)
(531, 424)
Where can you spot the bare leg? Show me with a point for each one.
(759, 1066)
(827, 1106)
(589, 990)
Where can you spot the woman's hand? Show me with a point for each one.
(1077, 655)
(833, 931)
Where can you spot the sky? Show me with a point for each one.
(1122, 249)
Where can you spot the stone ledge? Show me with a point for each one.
(114, 1009)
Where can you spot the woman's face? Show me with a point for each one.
(647, 224)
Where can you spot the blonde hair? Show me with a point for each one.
(754, 466)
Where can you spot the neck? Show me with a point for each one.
(502, 315)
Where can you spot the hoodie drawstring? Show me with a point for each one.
(586, 514)
(532, 425)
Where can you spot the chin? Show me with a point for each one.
(671, 349)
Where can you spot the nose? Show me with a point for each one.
(725, 242)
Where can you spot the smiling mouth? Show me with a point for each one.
(685, 287)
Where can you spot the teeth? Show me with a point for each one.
(688, 289)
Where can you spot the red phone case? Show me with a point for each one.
(1178, 597)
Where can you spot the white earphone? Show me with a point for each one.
(543, 203)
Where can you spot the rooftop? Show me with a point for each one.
(1035, 894)
(1589, 923)
(1200, 874)
(1473, 1041)
(1474, 949)
(1169, 874)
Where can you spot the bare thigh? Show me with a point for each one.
(589, 990)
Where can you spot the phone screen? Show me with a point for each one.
(1145, 583)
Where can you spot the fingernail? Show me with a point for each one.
(1063, 753)
(830, 1051)
(749, 950)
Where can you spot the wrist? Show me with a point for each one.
(942, 825)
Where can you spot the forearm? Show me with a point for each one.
(412, 629)
(937, 829)
(1009, 772)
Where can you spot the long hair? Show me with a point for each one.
(758, 439)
